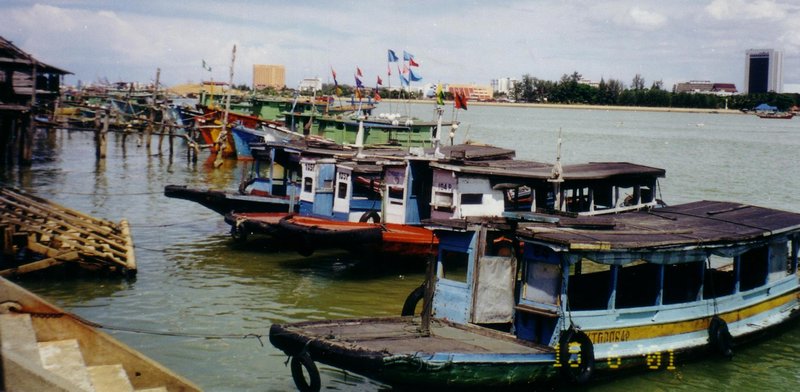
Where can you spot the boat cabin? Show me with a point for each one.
(658, 278)
(357, 192)
(494, 187)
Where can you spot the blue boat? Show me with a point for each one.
(563, 299)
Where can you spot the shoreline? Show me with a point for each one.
(583, 107)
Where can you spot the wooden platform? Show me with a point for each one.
(37, 234)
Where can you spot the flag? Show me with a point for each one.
(376, 96)
(336, 90)
(413, 77)
(407, 56)
(358, 72)
(412, 63)
(334, 75)
(392, 56)
(206, 66)
(358, 83)
(389, 70)
(380, 82)
(403, 80)
(439, 95)
(460, 100)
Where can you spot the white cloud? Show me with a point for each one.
(646, 19)
(746, 10)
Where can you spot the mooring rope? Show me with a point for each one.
(141, 330)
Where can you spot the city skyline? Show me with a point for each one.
(453, 41)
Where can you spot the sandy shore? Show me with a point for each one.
(585, 107)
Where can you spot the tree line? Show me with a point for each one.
(569, 90)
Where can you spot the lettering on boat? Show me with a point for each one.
(610, 336)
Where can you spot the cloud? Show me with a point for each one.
(646, 19)
(746, 10)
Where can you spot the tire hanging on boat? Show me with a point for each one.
(370, 216)
(300, 361)
(412, 300)
(719, 337)
(580, 370)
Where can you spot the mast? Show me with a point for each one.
(223, 134)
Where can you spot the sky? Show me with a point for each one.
(466, 41)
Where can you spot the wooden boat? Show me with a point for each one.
(776, 115)
(387, 238)
(225, 202)
(45, 348)
(640, 290)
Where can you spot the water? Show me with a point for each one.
(196, 284)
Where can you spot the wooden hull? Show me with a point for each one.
(23, 368)
(387, 238)
(226, 202)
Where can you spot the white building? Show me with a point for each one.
(763, 71)
(310, 84)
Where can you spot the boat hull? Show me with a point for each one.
(226, 202)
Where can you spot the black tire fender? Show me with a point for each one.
(577, 371)
(300, 361)
(370, 216)
(412, 300)
(719, 337)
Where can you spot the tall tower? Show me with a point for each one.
(763, 71)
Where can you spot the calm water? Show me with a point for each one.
(195, 283)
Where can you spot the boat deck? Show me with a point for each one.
(394, 336)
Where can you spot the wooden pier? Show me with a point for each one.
(36, 234)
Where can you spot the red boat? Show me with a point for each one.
(308, 234)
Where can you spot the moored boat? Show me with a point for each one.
(563, 299)
(47, 348)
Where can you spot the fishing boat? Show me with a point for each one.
(45, 348)
(568, 299)
(776, 115)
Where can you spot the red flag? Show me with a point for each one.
(377, 97)
(412, 63)
(460, 100)
(358, 72)
(380, 82)
(333, 73)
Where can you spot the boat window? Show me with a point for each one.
(327, 185)
(454, 265)
(442, 200)
(638, 284)
(396, 192)
(342, 192)
(603, 197)
(471, 198)
(589, 285)
(628, 197)
(794, 248)
(646, 194)
(308, 185)
(753, 268)
(576, 199)
(718, 278)
(498, 244)
(682, 282)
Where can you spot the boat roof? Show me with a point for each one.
(543, 171)
(702, 224)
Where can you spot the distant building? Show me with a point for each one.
(310, 84)
(589, 82)
(268, 76)
(705, 87)
(763, 71)
(503, 85)
(472, 91)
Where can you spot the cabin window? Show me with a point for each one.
(499, 245)
(646, 194)
(454, 265)
(780, 261)
(327, 185)
(589, 286)
(471, 199)
(718, 278)
(794, 248)
(396, 192)
(753, 268)
(603, 197)
(364, 188)
(443, 200)
(577, 199)
(682, 282)
(342, 191)
(628, 197)
(638, 284)
(308, 184)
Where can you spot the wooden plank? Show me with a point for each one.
(40, 265)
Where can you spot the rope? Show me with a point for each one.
(140, 330)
